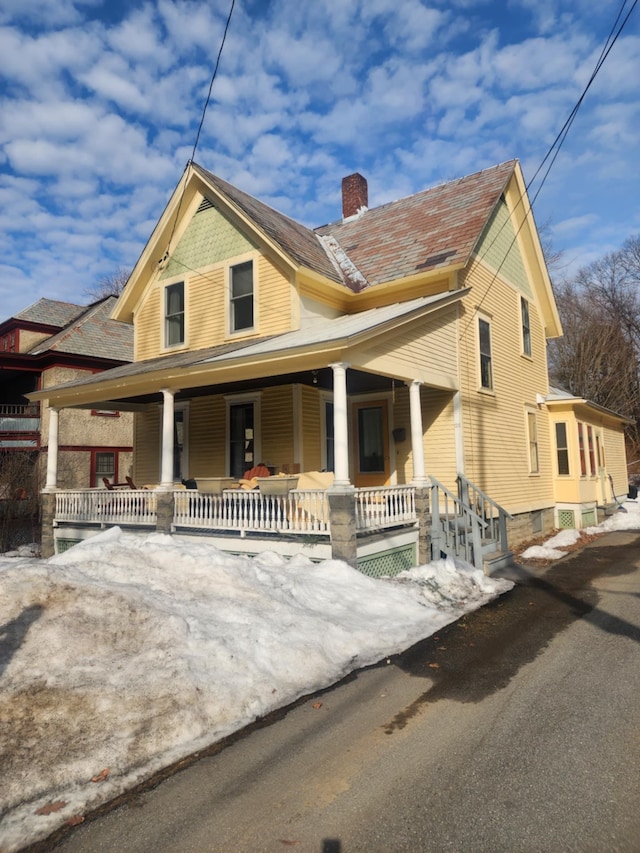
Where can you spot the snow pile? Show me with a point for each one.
(125, 654)
(625, 518)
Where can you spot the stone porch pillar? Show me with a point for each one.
(166, 471)
(417, 445)
(340, 427)
(52, 451)
(342, 512)
(423, 512)
(48, 511)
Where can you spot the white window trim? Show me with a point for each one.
(242, 259)
(531, 410)
(482, 388)
(165, 347)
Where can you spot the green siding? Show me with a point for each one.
(499, 248)
(209, 239)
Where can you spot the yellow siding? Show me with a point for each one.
(277, 426)
(311, 412)
(147, 446)
(428, 355)
(439, 435)
(207, 442)
(206, 308)
(496, 445)
(616, 459)
(147, 326)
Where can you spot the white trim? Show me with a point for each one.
(184, 344)
(253, 257)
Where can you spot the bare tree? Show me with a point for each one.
(599, 356)
(109, 285)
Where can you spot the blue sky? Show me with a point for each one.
(100, 103)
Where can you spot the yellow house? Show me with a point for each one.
(589, 457)
(400, 349)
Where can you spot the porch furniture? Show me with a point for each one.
(128, 484)
(278, 485)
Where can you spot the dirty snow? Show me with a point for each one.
(625, 518)
(125, 654)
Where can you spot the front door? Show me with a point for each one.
(371, 443)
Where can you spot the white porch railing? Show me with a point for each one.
(120, 506)
(300, 511)
(386, 506)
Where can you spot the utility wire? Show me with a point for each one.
(204, 112)
(554, 150)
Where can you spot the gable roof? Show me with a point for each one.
(90, 332)
(436, 228)
(298, 241)
(50, 312)
(560, 396)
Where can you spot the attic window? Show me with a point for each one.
(205, 204)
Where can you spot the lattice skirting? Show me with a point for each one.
(388, 563)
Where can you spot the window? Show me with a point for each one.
(484, 337)
(241, 297)
(174, 314)
(583, 458)
(534, 466)
(104, 465)
(562, 449)
(592, 456)
(526, 327)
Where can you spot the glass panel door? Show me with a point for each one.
(241, 439)
(371, 443)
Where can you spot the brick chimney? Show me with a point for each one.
(355, 194)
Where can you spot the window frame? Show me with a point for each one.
(582, 450)
(234, 300)
(485, 359)
(525, 317)
(95, 475)
(562, 448)
(533, 441)
(167, 317)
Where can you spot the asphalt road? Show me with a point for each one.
(525, 737)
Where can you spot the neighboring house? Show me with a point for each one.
(402, 348)
(590, 459)
(50, 343)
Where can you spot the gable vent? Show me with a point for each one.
(205, 204)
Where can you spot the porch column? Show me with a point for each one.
(417, 446)
(166, 472)
(52, 451)
(340, 427)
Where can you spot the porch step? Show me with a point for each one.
(497, 561)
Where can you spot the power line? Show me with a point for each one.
(204, 112)
(557, 145)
